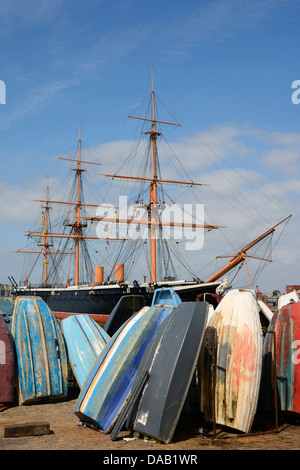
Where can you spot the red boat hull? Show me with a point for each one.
(286, 326)
(7, 364)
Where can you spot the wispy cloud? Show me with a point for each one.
(68, 66)
(213, 21)
(26, 12)
(16, 202)
(33, 101)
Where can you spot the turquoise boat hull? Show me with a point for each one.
(42, 371)
(85, 339)
(109, 384)
(165, 296)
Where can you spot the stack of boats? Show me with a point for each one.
(139, 374)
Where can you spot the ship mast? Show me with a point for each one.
(77, 226)
(153, 223)
(153, 187)
(45, 246)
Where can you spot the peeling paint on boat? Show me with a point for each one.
(85, 340)
(286, 326)
(110, 381)
(238, 362)
(142, 419)
(7, 364)
(40, 351)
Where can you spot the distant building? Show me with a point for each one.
(270, 300)
(5, 290)
(292, 288)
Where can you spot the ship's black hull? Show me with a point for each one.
(85, 301)
(100, 301)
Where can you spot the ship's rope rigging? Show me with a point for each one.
(196, 139)
(135, 165)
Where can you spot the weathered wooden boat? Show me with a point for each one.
(283, 339)
(206, 372)
(85, 339)
(213, 301)
(109, 383)
(42, 371)
(124, 309)
(7, 364)
(170, 359)
(238, 362)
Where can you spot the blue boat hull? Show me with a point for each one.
(109, 383)
(42, 371)
(165, 296)
(85, 340)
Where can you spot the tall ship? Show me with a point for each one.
(135, 225)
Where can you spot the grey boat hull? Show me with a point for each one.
(170, 359)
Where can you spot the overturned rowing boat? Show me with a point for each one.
(110, 381)
(42, 371)
(238, 362)
(170, 360)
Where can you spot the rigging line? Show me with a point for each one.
(180, 258)
(86, 151)
(140, 269)
(237, 272)
(117, 256)
(222, 172)
(241, 175)
(281, 234)
(146, 100)
(271, 196)
(131, 156)
(246, 214)
(172, 156)
(168, 263)
(135, 257)
(216, 193)
(179, 196)
(262, 263)
(56, 265)
(258, 272)
(214, 222)
(191, 134)
(34, 264)
(135, 148)
(144, 246)
(158, 100)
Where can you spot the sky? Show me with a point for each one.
(226, 70)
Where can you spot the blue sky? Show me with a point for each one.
(224, 68)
